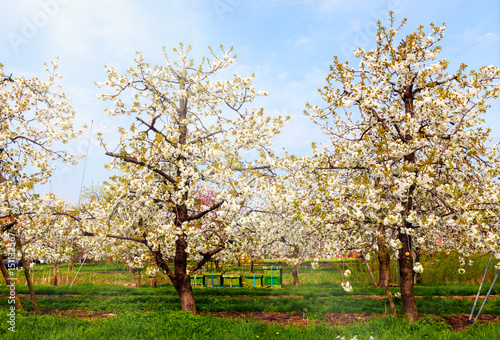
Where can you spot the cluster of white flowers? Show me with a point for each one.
(35, 115)
(347, 286)
(418, 268)
(405, 139)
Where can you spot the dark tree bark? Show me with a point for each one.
(405, 257)
(180, 278)
(295, 274)
(384, 260)
(55, 275)
(295, 270)
(9, 281)
(406, 278)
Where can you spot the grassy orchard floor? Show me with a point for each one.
(318, 309)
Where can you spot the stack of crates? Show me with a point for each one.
(273, 277)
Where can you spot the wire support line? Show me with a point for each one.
(85, 163)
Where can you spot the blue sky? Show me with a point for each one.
(288, 44)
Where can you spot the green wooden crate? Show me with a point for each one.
(253, 280)
(196, 280)
(232, 281)
(212, 280)
(273, 277)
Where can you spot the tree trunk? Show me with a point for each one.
(28, 278)
(10, 281)
(405, 257)
(154, 281)
(180, 277)
(251, 266)
(384, 260)
(185, 291)
(137, 277)
(391, 301)
(295, 274)
(406, 274)
(55, 274)
(384, 273)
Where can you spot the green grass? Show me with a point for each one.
(179, 325)
(154, 313)
(143, 300)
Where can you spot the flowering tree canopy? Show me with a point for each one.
(408, 137)
(33, 116)
(191, 132)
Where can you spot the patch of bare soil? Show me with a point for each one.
(457, 322)
(271, 317)
(296, 319)
(246, 297)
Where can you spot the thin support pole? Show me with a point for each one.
(487, 295)
(85, 259)
(479, 291)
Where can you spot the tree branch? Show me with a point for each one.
(135, 161)
(8, 226)
(206, 256)
(203, 213)
(143, 241)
